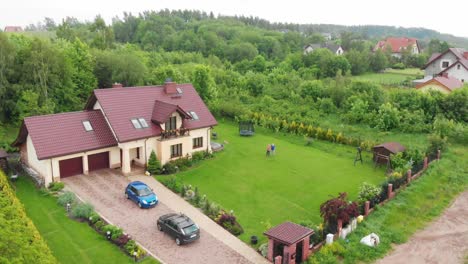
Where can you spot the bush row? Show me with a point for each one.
(221, 216)
(186, 162)
(85, 212)
(20, 241)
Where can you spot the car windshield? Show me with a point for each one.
(190, 229)
(144, 192)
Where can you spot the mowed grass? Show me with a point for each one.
(290, 185)
(69, 240)
(390, 76)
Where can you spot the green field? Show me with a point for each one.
(391, 76)
(290, 185)
(69, 240)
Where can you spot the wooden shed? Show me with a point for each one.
(383, 151)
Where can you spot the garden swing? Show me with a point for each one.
(246, 128)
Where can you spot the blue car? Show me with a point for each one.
(141, 194)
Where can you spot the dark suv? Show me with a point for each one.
(179, 226)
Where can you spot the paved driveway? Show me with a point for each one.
(105, 190)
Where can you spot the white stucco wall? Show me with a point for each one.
(164, 146)
(42, 167)
(461, 74)
(436, 66)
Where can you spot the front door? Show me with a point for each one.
(299, 252)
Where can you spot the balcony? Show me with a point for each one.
(169, 134)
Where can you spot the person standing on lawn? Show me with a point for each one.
(268, 150)
(273, 148)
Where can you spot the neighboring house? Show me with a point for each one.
(444, 84)
(398, 45)
(335, 49)
(118, 128)
(454, 62)
(13, 29)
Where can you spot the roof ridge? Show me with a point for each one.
(62, 113)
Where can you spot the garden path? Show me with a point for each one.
(444, 241)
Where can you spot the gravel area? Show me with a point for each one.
(105, 190)
(443, 241)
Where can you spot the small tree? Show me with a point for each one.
(154, 166)
(338, 208)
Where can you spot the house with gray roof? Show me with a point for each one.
(334, 48)
(453, 62)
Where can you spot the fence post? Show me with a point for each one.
(279, 260)
(425, 162)
(390, 189)
(366, 208)
(408, 176)
(438, 154)
(271, 244)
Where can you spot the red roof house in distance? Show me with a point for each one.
(119, 128)
(398, 45)
(13, 29)
(444, 84)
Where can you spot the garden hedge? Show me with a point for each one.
(20, 242)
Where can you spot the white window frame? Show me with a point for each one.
(143, 122)
(87, 126)
(136, 123)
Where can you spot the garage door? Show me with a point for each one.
(98, 161)
(70, 167)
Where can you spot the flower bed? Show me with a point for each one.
(221, 216)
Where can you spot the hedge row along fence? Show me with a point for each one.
(275, 124)
(20, 240)
(390, 188)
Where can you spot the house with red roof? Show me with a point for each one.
(453, 62)
(398, 45)
(444, 84)
(13, 29)
(119, 128)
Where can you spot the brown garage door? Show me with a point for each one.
(70, 167)
(98, 161)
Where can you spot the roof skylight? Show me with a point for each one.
(135, 123)
(194, 115)
(143, 122)
(87, 126)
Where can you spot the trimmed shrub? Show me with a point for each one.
(115, 231)
(56, 186)
(369, 192)
(82, 210)
(99, 225)
(132, 247)
(198, 156)
(122, 240)
(65, 198)
(94, 217)
(154, 166)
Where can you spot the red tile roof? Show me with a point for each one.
(449, 82)
(162, 111)
(288, 233)
(122, 104)
(13, 29)
(63, 134)
(397, 44)
(393, 147)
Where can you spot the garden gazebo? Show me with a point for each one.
(383, 151)
(290, 241)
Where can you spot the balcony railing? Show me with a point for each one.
(167, 134)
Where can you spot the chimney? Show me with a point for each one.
(117, 85)
(465, 55)
(445, 74)
(170, 87)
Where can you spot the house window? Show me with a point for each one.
(194, 115)
(171, 124)
(135, 123)
(198, 142)
(176, 150)
(87, 126)
(445, 64)
(458, 66)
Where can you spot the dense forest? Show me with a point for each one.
(239, 67)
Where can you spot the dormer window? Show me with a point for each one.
(143, 122)
(171, 124)
(194, 115)
(135, 123)
(87, 126)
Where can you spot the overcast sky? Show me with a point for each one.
(446, 16)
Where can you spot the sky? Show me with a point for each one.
(444, 16)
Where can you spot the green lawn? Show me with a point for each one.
(290, 185)
(391, 76)
(70, 241)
